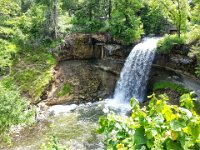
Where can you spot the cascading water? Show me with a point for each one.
(134, 75)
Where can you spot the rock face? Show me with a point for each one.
(176, 62)
(74, 47)
(91, 64)
(87, 80)
(90, 46)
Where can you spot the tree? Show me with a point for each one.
(71, 6)
(89, 16)
(195, 12)
(8, 7)
(153, 19)
(177, 11)
(52, 12)
(125, 24)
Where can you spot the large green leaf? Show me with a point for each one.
(140, 137)
(171, 145)
(177, 125)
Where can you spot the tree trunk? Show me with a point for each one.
(55, 18)
(179, 33)
(179, 19)
(110, 9)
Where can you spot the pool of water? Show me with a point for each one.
(74, 126)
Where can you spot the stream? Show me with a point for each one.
(75, 126)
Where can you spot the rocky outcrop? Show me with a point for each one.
(177, 62)
(90, 46)
(87, 81)
(95, 78)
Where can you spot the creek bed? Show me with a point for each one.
(74, 128)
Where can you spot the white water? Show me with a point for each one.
(134, 75)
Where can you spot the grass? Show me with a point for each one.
(65, 90)
(173, 86)
(31, 73)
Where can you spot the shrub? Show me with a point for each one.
(193, 38)
(53, 144)
(195, 52)
(13, 109)
(194, 35)
(158, 126)
(166, 44)
(7, 51)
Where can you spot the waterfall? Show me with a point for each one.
(134, 75)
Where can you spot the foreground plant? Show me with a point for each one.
(13, 110)
(53, 144)
(158, 126)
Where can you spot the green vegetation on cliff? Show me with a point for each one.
(168, 43)
(173, 86)
(65, 90)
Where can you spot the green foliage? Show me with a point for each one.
(119, 18)
(198, 70)
(187, 101)
(193, 38)
(13, 109)
(65, 90)
(53, 144)
(33, 73)
(88, 18)
(173, 86)
(157, 126)
(153, 19)
(166, 44)
(126, 26)
(195, 12)
(195, 52)
(177, 12)
(7, 52)
(9, 7)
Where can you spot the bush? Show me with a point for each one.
(13, 109)
(166, 44)
(158, 126)
(53, 144)
(193, 38)
(194, 35)
(7, 51)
